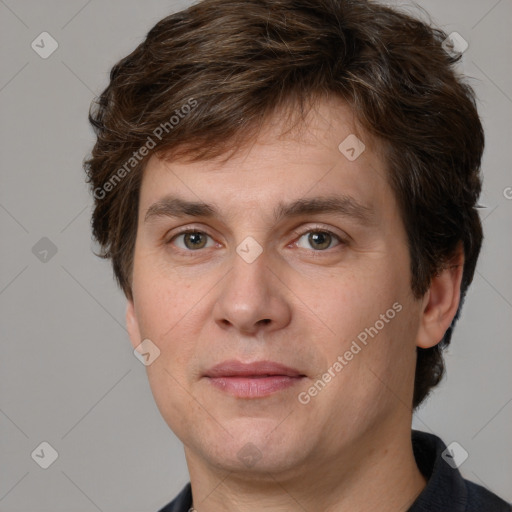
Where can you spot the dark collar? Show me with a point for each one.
(446, 490)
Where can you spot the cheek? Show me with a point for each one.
(372, 320)
(353, 301)
(160, 301)
(173, 401)
(172, 316)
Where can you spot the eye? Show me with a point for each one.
(191, 240)
(318, 240)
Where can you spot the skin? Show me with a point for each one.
(349, 448)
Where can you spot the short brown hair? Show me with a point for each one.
(235, 62)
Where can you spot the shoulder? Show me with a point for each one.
(480, 499)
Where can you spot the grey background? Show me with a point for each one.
(68, 375)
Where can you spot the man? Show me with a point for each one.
(287, 190)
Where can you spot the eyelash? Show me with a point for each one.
(298, 234)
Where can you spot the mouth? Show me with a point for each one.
(252, 380)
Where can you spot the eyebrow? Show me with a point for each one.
(344, 205)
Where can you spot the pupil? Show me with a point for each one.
(193, 240)
(319, 238)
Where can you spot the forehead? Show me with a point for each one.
(326, 153)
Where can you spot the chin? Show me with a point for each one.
(253, 463)
(254, 451)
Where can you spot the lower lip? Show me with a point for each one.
(253, 387)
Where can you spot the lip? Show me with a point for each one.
(252, 380)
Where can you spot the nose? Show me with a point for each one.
(252, 298)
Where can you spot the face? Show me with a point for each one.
(281, 303)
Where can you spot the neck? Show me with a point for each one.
(378, 472)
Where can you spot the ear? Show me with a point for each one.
(132, 324)
(441, 301)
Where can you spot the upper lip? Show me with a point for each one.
(234, 368)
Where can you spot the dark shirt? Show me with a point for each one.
(446, 490)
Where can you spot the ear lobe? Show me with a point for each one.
(132, 324)
(441, 301)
